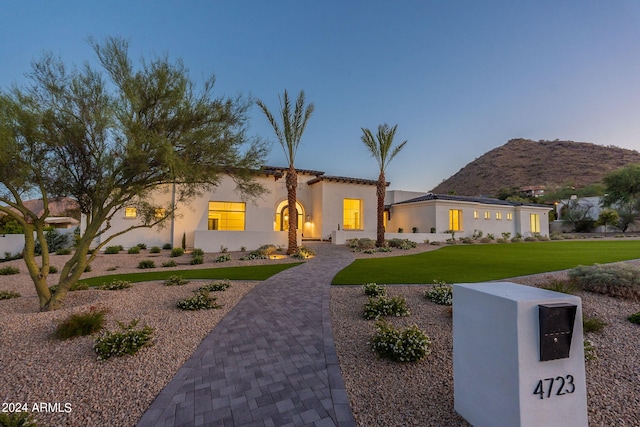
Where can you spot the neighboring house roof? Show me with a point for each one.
(482, 200)
(57, 207)
(61, 220)
(343, 179)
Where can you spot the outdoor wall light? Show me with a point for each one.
(308, 217)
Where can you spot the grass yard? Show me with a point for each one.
(256, 272)
(478, 263)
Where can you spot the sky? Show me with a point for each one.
(459, 78)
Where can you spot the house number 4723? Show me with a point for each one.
(557, 386)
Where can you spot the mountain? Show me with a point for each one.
(522, 163)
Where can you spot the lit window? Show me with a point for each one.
(226, 216)
(475, 215)
(498, 215)
(534, 220)
(159, 213)
(509, 216)
(130, 212)
(455, 219)
(352, 214)
(487, 215)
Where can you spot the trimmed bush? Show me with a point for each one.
(616, 280)
(134, 250)
(170, 263)
(80, 324)
(593, 324)
(266, 250)
(115, 285)
(364, 244)
(404, 244)
(8, 295)
(166, 246)
(440, 293)
(176, 252)
(142, 245)
(200, 301)
(128, 341)
(155, 250)
(17, 419)
(408, 345)
(634, 318)
(199, 259)
(216, 286)
(374, 290)
(223, 258)
(147, 263)
(384, 306)
(110, 250)
(63, 251)
(175, 281)
(53, 269)
(197, 252)
(6, 271)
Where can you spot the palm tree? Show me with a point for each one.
(289, 135)
(380, 148)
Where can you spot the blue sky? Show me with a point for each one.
(458, 77)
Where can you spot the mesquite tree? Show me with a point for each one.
(110, 138)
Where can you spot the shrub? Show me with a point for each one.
(303, 253)
(384, 306)
(501, 240)
(616, 280)
(365, 243)
(199, 259)
(266, 250)
(110, 250)
(516, 239)
(134, 250)
(467, 240)
(477, 234)
(78, 286)
(352, 243)
(562, 286)
(63, 251)
(176, 252)
(53, 269)
(593, 324)
(80, 324)
(490, 236)
(142, 245)
(8, 256)
(506, 235)
(408, 345)
(8, 295)
(146, 263)
(485, 240)
(243, 248)
(223, 249)
(440, 293)
(6, 271)
(634, 318)
(530, 239)
(170, 263)
(200, 301)
(216, 286)
(155, 250)
(589, 351)
(87, 268)
(435, 243)
(115, 285)
(197, 252)
(55, 240)
(128, 341)
(404, 244)
(166, 246)
(17, 419)
(175, 281)
(374, 290)
(223, 258)
(369, 251)
(252, 256)
(387, 248)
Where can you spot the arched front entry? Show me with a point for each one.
(282, 216)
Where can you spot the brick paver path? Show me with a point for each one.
(270, 362)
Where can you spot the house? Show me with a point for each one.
(439, 213)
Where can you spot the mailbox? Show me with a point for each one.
(556, 329)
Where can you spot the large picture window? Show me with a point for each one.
(226, 216)
(352, 214)
(130, 213)
(455, 219)
(534, 219)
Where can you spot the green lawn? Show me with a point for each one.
(256, 272)
(477, 263)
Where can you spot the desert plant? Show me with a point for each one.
(126, 341)
(223, 249)
(414, 229)
(63, 251)
(440, 293)
(366, 243)
(243, 248)
(589, 351)
(110, 250)
(175, 281)
(200, 301)
(176, 252)
(78, 286)
(408, 345)
(8, 295)
(400, 230)
(467, 240)
(616, 280)
(55, 240)
(374, 290)
(18, 419)
(53, 269)
(146, 263)
(477, 234)
(385, 249)
(134, 250)
(303, 253)
(634, 318)
(369, 251)
(197, 252)
(170, 263)
(404, 244)
(266, 250)
(80, 324)
(198, 259)
(562, 286)
(223, 258)
(142, 245)
(593, 324)
(166, 246)
(352, 243)
(115, 285)
(252, 256)
(6, 271)
(491, 236)
(506, 235)
(384, 306)
(516, 239)
(216, 286)
(155, 250)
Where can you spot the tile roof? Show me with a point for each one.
(482, 200)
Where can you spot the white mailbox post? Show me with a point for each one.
(518, 356)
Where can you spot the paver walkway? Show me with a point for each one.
(270, 362)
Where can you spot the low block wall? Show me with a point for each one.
(211, 240)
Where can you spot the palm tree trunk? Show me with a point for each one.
(292, 185)
(380, 191)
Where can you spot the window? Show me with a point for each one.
(534, 220)
(475, 215)
(226, 216)
(487, 215)
(130, 212)
(498, 215)
(282, 216)
(352, 214)
(159, 213)
(509, 216)
(455, 219)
